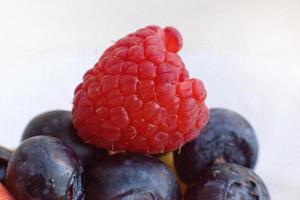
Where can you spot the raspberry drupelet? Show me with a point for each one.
(138, 97)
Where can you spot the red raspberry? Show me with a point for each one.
(139, 97)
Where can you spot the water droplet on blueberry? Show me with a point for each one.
(59, 124)
(233, 182)
(44, 168)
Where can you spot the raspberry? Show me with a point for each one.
(138, 97)
(4, 194)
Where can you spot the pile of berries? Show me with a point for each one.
(139, 130)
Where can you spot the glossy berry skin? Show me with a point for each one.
(58, 124)
(131, 176)
(138, 97)
(228, 182)
(227, 137)
(5, 155)
(44, 168)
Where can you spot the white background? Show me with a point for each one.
(246, 52)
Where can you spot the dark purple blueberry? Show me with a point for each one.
(44, 168)
(5, 155)
(59, 124)
(131, 176)
(227, 137)
(227, 181)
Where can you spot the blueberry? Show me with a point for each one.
(59, 124)
(227, 181)
(5, 155)
(44, 168)
(227, 137)
(131, 176)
